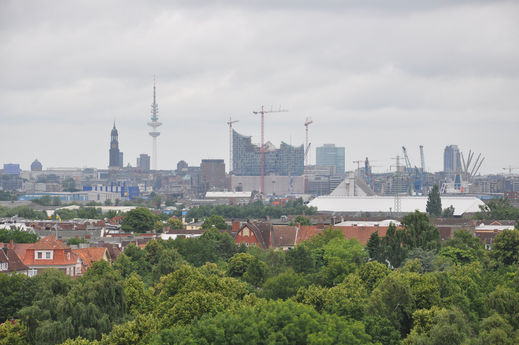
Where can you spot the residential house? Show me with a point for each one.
(362, 230)
(52, 253)
(90, 255)
(255, 234)
(487, 233)
(10, 262)
(265, 235)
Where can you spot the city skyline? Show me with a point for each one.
(373, 77)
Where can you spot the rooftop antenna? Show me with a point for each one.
(230, 122)
(262, 112)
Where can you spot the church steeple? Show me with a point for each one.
(115, 160)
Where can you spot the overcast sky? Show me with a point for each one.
(373, 76)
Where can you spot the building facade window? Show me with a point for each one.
(44, 254)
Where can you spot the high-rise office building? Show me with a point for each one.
(451, 160)
(143, 162)
(213, 173)
(115, 154)
(331, 155)
(285, 161)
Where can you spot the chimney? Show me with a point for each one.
(235, 226)
(11, 244)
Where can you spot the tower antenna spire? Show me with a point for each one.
(154, 123)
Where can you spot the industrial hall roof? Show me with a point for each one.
(386, 204)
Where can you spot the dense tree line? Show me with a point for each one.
(47, 201)
(498, 209)
(256, 210)
(8, 196)
(22, 212)
(327, 290)
(84, 212)
(17, 236)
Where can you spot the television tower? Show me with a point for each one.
(262, 112)
(154, 123)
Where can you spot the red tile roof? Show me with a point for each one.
(19, 248)
(62, 254)
(91, 255)
(49, 243)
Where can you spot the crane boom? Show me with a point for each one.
(407, 162)
(262, 112)
(308, 122)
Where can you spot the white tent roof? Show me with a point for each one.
(381, 223)
(385, 203)
(228, 194)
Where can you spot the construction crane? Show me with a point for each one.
(305, 172)
(230, 122)
(406, 158)
(416, 178)
(308, 122)
(262, 112)
(307, 150)
(510, 168)
(358, 166)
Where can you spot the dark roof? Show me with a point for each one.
(284, 235)
(113, 250)
(262, 232)
(8, 255)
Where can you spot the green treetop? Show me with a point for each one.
(434, 202)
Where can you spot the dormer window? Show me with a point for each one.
(44, 254)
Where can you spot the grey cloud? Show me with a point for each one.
(369, 73)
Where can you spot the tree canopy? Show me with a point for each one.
(402, 288)
(434, 202)
(138, 220)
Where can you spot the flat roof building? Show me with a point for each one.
(331, 155)
(213, 173)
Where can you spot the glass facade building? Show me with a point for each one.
(451, 159)
(331, 155)
(285, 161)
